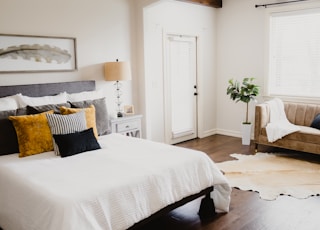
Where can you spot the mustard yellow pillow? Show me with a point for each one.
(33, 133)
(90, 113)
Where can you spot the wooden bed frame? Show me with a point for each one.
(206, 210)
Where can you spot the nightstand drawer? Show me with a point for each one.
(127, 126)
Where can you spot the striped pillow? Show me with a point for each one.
(66, 124)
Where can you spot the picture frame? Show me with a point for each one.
(28, 53)
(128, 109)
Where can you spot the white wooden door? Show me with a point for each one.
(180, 84)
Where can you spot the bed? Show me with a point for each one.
(123, 184)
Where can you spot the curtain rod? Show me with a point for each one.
(279, 3)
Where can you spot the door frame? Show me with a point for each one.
(167, 92)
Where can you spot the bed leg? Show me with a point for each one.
(207, 209)
(255, 148)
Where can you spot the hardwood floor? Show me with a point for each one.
(247, 210)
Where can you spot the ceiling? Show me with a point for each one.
(213, 3)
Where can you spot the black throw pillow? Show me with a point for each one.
(8, 137)
(45, 108)
(316, 122)
(74, 143)
(102, 119)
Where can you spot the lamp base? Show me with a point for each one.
(119, 114)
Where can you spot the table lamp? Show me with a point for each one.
(117, 71)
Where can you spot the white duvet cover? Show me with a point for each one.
(112, 188)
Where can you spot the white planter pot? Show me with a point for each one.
(246, 133)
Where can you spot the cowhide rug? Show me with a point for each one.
(272, 175)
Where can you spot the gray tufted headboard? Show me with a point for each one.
(47, 89)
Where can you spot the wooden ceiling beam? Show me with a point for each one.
(212, 3)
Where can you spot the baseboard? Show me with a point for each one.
(222, 132)
(229, 132)
(207, 133)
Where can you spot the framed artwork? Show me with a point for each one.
(24, 53)
(128, 109)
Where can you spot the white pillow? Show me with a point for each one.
(85, 95)
(45, 100)
(9, 102)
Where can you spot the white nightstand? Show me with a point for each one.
(127, 125)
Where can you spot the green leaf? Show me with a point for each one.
(245, 92)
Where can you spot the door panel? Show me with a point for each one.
(180, 88)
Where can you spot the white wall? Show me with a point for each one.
(186, 19)
(241, 36)
(232, 45)
(242, 51)
(102, 29)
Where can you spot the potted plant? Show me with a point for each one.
(245, 92)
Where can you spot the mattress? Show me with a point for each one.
(124, 182)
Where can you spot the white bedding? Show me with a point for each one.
(112, 188)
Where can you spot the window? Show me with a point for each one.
(294, 61)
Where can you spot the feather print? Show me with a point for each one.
(37, 53)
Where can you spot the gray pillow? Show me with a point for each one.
(8, 137)
(6, 114)
(21, 111)
(102, 119)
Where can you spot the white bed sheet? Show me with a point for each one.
(115, 187)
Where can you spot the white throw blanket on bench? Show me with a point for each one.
(278, 126)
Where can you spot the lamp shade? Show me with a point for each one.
(117, 71)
